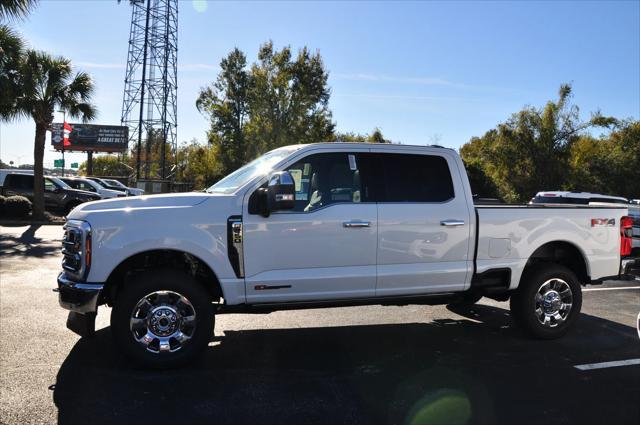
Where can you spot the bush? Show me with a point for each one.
(16, 207)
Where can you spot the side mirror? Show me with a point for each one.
(280, 193)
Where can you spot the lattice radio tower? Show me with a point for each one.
(149, 105)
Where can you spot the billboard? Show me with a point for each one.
(89, 137)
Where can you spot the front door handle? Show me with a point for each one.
(452, 223)
(356, 223)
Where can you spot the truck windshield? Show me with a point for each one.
(115, 183)
(259, 166)
(58, 182)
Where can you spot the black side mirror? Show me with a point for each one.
(280, 193)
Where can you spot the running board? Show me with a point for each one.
(435, 299)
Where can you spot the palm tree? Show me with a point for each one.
(47, 84)
(11, 50)
(16, 9)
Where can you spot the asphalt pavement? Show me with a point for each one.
(388, 365)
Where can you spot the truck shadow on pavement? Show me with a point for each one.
(477, 369)
(27, 245)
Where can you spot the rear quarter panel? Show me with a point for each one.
(508, 236)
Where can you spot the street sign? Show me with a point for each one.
(58, 163)
(74, 165)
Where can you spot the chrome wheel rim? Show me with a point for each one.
(163, 321)
(554, 300)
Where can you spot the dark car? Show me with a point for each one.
(58, 196)
(106, 185)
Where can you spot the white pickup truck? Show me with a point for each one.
(326, 225)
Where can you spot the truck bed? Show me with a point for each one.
(505, 240)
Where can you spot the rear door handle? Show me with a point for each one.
(356, 223)
(452, 223)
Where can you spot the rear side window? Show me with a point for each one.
(416, 178)
(19, 181)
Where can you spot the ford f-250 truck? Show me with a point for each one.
(326, 225)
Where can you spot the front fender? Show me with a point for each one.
(200, 231)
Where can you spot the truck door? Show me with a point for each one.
(325, 248)
(52, 195)
(423, 225)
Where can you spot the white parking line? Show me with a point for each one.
(605, 365)
(611, 289)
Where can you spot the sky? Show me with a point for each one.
(423, 72)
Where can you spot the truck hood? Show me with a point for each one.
(181, 200)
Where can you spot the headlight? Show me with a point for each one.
(76, 249)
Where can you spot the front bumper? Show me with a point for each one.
(79, 297)
(83, 300)
(630, 268)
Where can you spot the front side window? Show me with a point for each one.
(416, 178)
(327, 178)
(49, 186)
(85, 186)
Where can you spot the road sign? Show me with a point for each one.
(58, 163)
(74, 165)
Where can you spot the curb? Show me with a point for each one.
(17, 223)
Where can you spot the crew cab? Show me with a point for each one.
(319, 225)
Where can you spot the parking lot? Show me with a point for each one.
(396, 365)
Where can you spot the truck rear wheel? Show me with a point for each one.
(547, 302)
(163, 319)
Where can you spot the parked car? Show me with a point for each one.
(116, 183)
(634, 213)
(576, 198)
(58, 196)
(376, 224)
(6, 171)
(91, 186)
(108, 186)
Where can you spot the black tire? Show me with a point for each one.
(532, 302)
(169, 282)
(467, 299)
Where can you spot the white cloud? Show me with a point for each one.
(198, 67)
(96, 65)
(120, 66)
(427, 81)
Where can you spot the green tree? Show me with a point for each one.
(151, 154)
(288, 100)
(16, 9)
(530, 152)
(609, 164)
(198, 164)
(280, 100)
(48, 84)
(376, 136)
(11, 54)
(226, 103)
(107, 165)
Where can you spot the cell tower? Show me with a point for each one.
(149, 105)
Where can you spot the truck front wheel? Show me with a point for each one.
(547, 302)
(162, 319)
